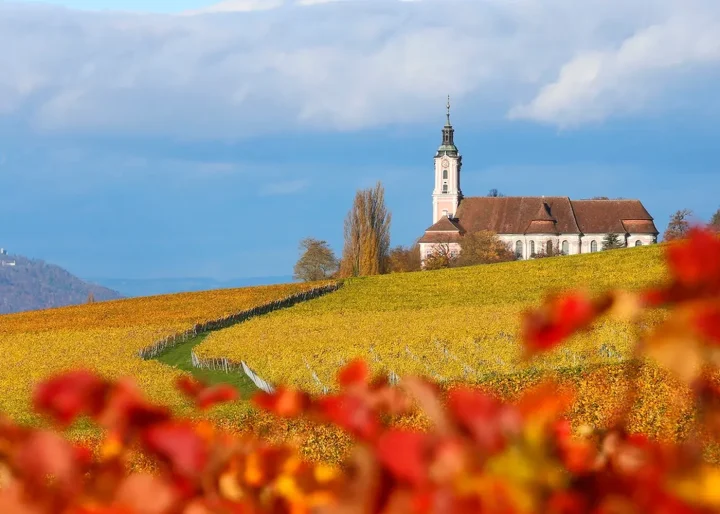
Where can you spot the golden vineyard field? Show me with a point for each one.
(107, 336)
(461, 324)
(457, 324)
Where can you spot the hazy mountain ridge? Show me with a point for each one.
(133, 287)
(31, 284)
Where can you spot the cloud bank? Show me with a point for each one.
(248, 67)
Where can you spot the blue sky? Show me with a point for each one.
(146, 144)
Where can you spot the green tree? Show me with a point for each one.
(317, 261)
(367, 234)
(678, 226)
(612, 241)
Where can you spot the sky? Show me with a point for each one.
(154, 139)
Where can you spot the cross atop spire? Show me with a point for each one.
(448, 111)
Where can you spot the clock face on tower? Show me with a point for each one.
(445, 163)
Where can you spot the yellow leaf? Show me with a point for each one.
(676, 350)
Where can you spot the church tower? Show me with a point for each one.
(447, 193)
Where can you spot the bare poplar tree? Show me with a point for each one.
(678, 226)
(367, 234)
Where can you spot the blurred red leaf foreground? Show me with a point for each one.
(480, 454)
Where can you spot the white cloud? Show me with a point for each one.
(237, 6)
(595, 84)
(347, 65)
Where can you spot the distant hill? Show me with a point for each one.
(31, 284)
(134, 287)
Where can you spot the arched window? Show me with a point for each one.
(445, 174)
(518, 249)
(565, 247)
(532, 247)
(548, 247)
(445, 188)
(593, 246)
(638, 243)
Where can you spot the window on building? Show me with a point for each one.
(549, 248)
(532, 247)
(445, 212)
(638, 243)
(565, 247)
(593, 246)
(445, 174)
(518, 249)
(445, 189)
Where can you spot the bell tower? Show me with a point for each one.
(447, 193)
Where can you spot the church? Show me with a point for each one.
(528, 224)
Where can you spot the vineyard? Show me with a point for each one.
(451, 325)
(109, 337)
(415, 446)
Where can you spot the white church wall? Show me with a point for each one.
(587, 241)
(645, 239)
(540, 242)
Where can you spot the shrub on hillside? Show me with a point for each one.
(478, 455)
(440, 257)
(402, 259)
(484, 247)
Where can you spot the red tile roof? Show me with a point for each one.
(542, 215)
(444, 230)
(440, 237)
(603, 216)
(639, 227)
(444, 224)
(541, 227)
(513, 214)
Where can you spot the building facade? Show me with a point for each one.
(528, 224)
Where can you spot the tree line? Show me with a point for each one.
(367, 250)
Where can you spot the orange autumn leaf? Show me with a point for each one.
(556, 320)
(694, 262)
(355, 372)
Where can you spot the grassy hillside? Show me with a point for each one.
(107, 337)
(457, 324)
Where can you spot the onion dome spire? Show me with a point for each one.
(448, 136)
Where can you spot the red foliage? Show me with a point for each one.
(481, 455)
(560, 317)
(356, 372)
(68, 396)
(206, 396)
